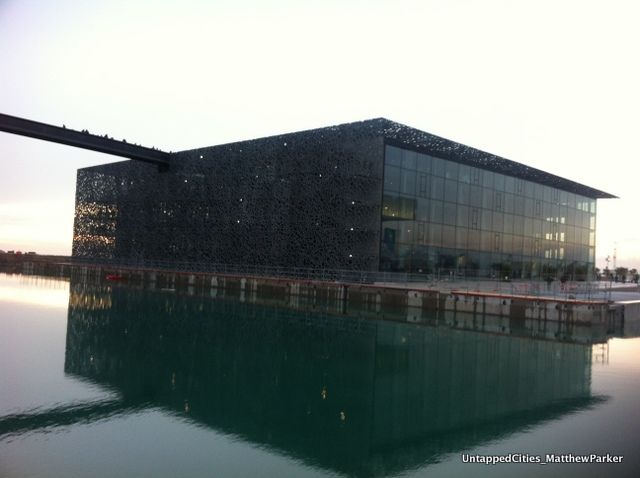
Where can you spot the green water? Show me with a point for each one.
(112, 381)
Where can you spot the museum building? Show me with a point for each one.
(373, 195)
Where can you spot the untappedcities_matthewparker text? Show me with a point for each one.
(542, 459)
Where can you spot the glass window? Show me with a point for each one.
(564, 198)
(486, 241)
(487, 179)
(497, 242)
(463, 215)
(509, 184)
(585, 204)
(422, 233)
(404, 257)
(407, 208)
(398, 207)
(487, 198)
(448, 236)
(464, 175)
(518, 244)
(461, 237)
(423, 163)
(393, 156)
(486, 223)
(437, 209)
(509, 199)
(498, 201)
(451, 190)
(529, 207)
(537, 247)
(476, 176)
(518, 225)
(585, 237)
(538, 208)
(390, 234)
(434, 234)
(474, 218)
(437, 188)
(422, 210)
(475, 196)
(391, 178)
(473, 240)
(406, 232)
(578, 219)
(449, 213)
(508, 223)
(528, 227)
(451, 170)
(563, 212)
(409, 159)
(518, 205)
(423, 185)
(528, 246)
(507, 243)
(498, 221)
(437, 166)
(464, 191)
(408, 182)
(528, 189)
(390, 206)
(498, 183)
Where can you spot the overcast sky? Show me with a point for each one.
(549, 83)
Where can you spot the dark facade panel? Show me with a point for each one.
(298, 200)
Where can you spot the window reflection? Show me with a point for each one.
(437, 211)
(397, 207)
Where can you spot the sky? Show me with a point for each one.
(552, 84)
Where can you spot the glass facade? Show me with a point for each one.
(443, 217)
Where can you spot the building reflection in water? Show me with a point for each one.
(357, 396)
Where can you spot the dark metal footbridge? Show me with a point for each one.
(83, 139)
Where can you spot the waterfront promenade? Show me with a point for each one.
(604, 303)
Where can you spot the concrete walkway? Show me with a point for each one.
(597, 291)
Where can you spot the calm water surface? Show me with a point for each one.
(110, 381)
